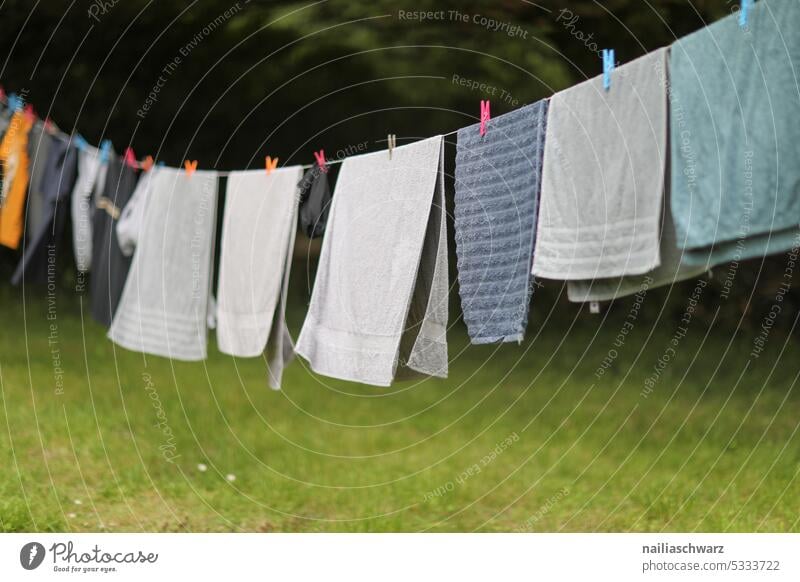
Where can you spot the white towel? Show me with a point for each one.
(130, 222)
(379, 304)
(90, 182)
(603, 175)
(164, 304)
(258, 233)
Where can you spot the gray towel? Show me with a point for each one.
(379, 305)
(88, 188)
(163, 310)
(671, 270)
(258, 233)
(603, 175)
(735, 123)
(497, 181)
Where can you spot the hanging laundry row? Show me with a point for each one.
(654, 171)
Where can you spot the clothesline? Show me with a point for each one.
(53, 128)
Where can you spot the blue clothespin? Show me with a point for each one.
(14, 102)
(80, 142)
(161, 164)
(608, 66)
(105, 151)
(743, 9)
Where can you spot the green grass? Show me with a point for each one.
(712, 448)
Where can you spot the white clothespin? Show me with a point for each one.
(391, 141)
(594, 307)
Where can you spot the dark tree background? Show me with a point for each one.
(239, 80)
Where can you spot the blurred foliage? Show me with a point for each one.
(285, 78)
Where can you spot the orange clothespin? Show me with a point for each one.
(147, 163)
(271, 164)
(130, 158)
(320, 157)
(190, 166)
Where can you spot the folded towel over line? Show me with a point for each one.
(379, 305)
(164, 305)
(735, 128)
(497, 183)
(258, 233)
(603, 175)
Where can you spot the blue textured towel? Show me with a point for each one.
(735, 116)
(497, 189)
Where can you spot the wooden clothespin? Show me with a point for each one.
(270, 164)
(391, 141)
(130, 158)
(190, 166)
(147, 163)
(320, 157)
(485, 116)
(608, 67)
(744, 8)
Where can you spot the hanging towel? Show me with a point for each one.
(315, 202)
(109, 265)
(130, 222)
(671, 270)
(88, 188)
(603, 175)
(164, 304)
(379, 305)
(40, 255)
(736, 136)
(38, 151)
(497, 190)
(14, 162)
(258, 232)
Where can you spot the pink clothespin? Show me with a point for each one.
(270, 164)
(485, 116)
(190, 166)
(2, 93)
(320, 156)
(130, 158)
(30, 113)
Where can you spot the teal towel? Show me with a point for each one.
(735, 127)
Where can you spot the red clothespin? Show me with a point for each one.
(2, 93)
(147, 163)
(271, 164)
(130, 158)
(190, 166)
(485, 116)
(320, 156)
(48, 125)
(30, 113)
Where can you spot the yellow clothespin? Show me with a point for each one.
(271, 164)
(190, 166)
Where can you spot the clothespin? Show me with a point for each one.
(147, 163)
(14, 102)
(270, 164)
(594, 307)
(161, 164)
(391, 141)
(29, 112)
(105, 151)
(48, 124)
(320, 156)
(743, 10)
(80, 142)
(130, 157)
(608, 66)
(2, 93)
(485, 116)
(190, 166)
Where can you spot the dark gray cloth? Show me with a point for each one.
(498, 177)
(38, 152)
(315, 202)
(109, 265)
(40, 254)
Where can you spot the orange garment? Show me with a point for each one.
(14, 165)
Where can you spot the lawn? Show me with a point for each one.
(519, 438)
